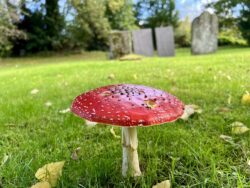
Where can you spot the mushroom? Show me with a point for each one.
(128, 106)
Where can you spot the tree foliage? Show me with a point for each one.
(90, 26)
(8, 18)
(43, 27)
(120, 14)
(226, 10)
(160, 13)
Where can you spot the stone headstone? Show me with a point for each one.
(165, 41)
(143, 42)
(204, 34)
(120, 43)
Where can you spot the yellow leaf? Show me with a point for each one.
(112, 131)
(111, 76)
(90, 124)
(245, 100)
(131, 57)
(43, 184)
(191, 109)
(239, 128)
(150, 103)
(163, 184)
(50, 172)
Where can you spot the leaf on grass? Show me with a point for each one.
(239, 128)
(5, 159)
(131, 57)
(64, 111)
(191, 109)
(229, 99)
(111, 76)
(245, 100)
(226, 138)
(90, 124)
(34, 91)
(112, 131)
(222, 110)
(135, 76)
(43, 184)
(248, 162)
(50, 172)
(75, 153)
(163, 184)
(48, 104)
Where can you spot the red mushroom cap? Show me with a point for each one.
(128, 105)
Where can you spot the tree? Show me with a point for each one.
(244, 23)
(43, 26)
(90, 26)
(159, 13)
(120, 14)
(8, 18)
(226, 10)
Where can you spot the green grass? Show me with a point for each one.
(190, 153)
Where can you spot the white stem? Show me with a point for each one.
(130, 161)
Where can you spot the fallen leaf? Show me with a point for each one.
(248, 162)
(226, 138)
(150, 103)
(163, 184)
(75, 153)
(64, 111)
(5, 159)
(245, 100)
(131, 57)
(34, 91)
(112, 131)
(239, 128)
(229, 99)
(90, 124)
(189, 110)
(135, 76)
(43, 184)
(50, 172)
(222, 109)
(111, 76)
(48, 104)
(229, 77)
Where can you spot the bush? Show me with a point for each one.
(183, 33)
(231, 37)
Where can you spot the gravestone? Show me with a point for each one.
(120, 43)
(143, 42)
(204, 34)
(165, 41)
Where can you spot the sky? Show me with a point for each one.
(192, 8)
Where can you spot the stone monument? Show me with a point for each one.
(143, 42)
(204, 34)
(120, 43)
(165, 41)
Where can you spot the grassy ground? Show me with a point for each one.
(190, 154)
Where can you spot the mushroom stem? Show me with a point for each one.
(130, 161)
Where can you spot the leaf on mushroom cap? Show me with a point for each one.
(127, 105)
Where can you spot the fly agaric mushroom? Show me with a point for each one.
(128, 106)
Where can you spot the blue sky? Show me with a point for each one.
(191, 8)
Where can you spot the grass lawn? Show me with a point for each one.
(190, 153)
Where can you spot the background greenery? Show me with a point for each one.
(33, 26)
